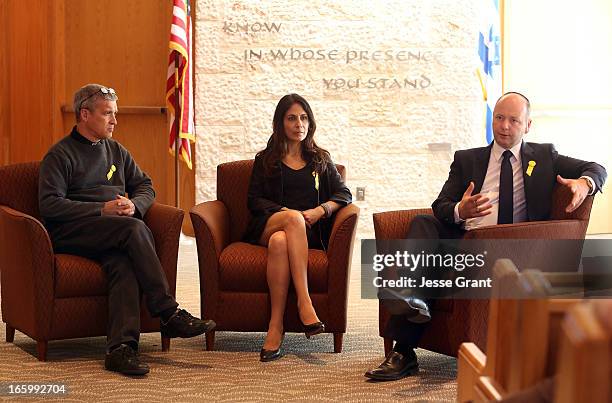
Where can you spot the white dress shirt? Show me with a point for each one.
(490, 189)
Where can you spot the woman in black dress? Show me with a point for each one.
(295, 189)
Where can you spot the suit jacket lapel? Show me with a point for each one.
(480, 170)
(527, 154)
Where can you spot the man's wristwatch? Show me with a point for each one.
(589, 184)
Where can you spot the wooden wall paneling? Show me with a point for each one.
(59, 75)
(125, 45)
(143, 135)
(35, 36)
(5, 143)
(122, 44)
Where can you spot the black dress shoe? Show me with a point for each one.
(313, 329)
(395, 366)
(401, 303)
(183, 324)
(125, 360)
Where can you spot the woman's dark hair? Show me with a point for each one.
(277, 144)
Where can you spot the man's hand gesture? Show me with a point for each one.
(473, 206)
(579, 188)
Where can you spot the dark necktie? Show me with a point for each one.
(505, 191)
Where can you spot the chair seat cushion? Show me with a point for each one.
(76, 276)
(242, 267)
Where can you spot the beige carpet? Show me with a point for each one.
(309, 371)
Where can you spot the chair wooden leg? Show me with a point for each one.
(338, 342)
(210, 341)
(10, 333)
(165, 344)
(41, 346)
(388, 346)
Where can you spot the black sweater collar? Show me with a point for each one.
(80, 138)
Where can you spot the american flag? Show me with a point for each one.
(180, 44)
(489, 52)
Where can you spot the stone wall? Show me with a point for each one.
(392, 84)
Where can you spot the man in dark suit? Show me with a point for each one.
(509, 181)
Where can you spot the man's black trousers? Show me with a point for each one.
(125, 248)
(407, 334)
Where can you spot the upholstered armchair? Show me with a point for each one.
(233, 286)
(457, 321)
(50, 296)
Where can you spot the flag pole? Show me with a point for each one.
(177, 128)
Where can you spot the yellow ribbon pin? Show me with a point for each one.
(112, 169)
(530, 167)
(316, 176)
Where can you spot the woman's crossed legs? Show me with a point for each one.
(285, 237)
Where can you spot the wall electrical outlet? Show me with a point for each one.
(360, 193)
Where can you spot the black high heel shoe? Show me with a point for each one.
(271, 355)
(314, 329)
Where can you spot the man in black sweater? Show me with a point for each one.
(92, 198)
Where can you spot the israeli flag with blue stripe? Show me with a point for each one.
(489, 52)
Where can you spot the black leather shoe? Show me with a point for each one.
(124, 359)
(395, 366)
(313, 329)
(183, 324)
(401, 303)
(270, 355)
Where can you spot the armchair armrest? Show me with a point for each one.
(395, 224)
(555, 229)
(339, 256)
(165, 223)
(343, 229)
(535, 254)
(562, 196)
(211, 223)
(212, 231)
(27, 264)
